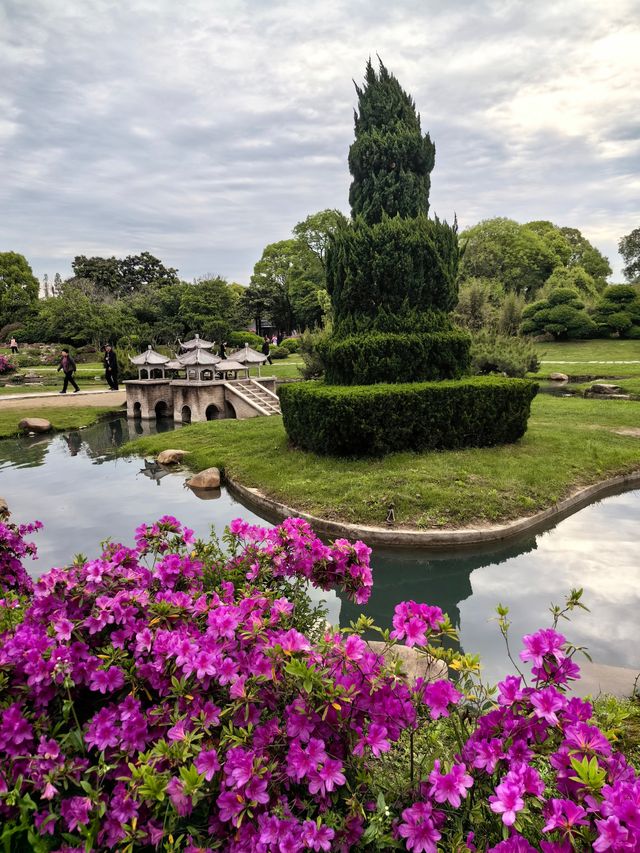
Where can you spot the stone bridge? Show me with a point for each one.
(188, 400)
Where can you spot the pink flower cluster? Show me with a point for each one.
(130, 684)
(292, 549)
(500, 762)
(5, 365)
(170, 692)
(13, 550)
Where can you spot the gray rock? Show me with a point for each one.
(415, 664)
(558, 377)
(34, 425)
(603, 388)
(207, 479)
(171, 456)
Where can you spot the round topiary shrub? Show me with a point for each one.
(239, 339)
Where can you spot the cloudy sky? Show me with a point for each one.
(201, 130)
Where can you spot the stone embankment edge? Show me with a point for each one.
(464, 537)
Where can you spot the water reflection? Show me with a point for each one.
(85, 491)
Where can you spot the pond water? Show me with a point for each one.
(83, 491)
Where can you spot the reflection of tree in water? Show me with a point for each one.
(99, 442)
(103, 439)
(434, 578)
(26, 451)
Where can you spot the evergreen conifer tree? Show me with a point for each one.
(390, 160)
(392, 270)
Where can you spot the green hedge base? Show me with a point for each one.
(375, 357)
(372, 420)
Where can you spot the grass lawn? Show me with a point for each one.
(60, 418)
(570, 442)
(585, 358)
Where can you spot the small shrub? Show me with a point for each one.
(279, 352)
(239, 339)
(292, 344)
(378, 419)
(510, 356)
(23, 359)
(313, 367)
(6, 366)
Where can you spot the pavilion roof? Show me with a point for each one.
(197, 356)
(196, 343)
(230, 364)
(247, 355)
(149, 356)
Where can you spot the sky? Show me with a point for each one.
(202, 130)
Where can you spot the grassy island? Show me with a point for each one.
(571, 442)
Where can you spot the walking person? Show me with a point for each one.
(14, 345)
(68, 367)
(266, 348)
(111, 367)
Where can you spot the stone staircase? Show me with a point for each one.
(256, 395)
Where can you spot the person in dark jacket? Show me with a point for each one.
(111, 367)
(68, 367)
(266, 349)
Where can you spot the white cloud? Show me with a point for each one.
(203, 131)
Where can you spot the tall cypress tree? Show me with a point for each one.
(392, 270)
(390, 160)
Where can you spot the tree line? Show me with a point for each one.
(534, 278)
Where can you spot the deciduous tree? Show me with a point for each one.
(629, 248)
(19, 288)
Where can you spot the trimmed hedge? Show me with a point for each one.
(387, 357)
(394, 264)
(239, 339)
(292, 344)
(373, 420)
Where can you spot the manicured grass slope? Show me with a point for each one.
(570, 442)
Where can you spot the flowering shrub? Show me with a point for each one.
(5, 365)
(169, 696)
(13, 549)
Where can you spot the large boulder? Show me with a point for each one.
(558, 377)
(207, 479)
(34, 425)
(415, 664)
(171, 456)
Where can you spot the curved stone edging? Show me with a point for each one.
(412, 538)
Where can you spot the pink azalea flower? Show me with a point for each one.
(507, 801)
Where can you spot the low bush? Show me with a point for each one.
(279, 352)
(239, 339)
(379, 419)
(511, 356)
(292, 344)
(24, 359)
(312, 365)
(365, 359)
(6, 365)
(169, 697)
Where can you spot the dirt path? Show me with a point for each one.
(55, 400)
